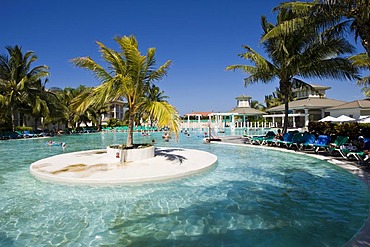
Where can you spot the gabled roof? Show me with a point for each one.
(362, 104)
(247, 111)
(315, 86)
(309, 103)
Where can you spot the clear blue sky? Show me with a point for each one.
(200, 37)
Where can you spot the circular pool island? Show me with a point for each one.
(95, 167)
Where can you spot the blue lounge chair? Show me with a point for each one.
(260, 140)
(299, 139)
(308, 141)
(287, 138)
(322, 142)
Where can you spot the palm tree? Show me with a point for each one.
(17, 78)
(155, 95)
(274, 99)
(300, 54)
(92, 113)
(338, 15)
(43, 103)
(130, 75)
(334, 15)
(255, 104)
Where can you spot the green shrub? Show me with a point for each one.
(351, 129)
(23, 128)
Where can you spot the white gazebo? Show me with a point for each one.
(243, 109)
(219, 119)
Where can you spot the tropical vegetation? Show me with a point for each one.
(304, 53)
(131, 76)
(22, 90)
(340, 16)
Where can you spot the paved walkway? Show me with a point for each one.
(362, 238)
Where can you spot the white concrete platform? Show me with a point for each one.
(92, 167)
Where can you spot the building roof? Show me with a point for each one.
(199, 113)
(315, 86)
(309, 103)
(243, 97)
(362, 104)
(246, 111)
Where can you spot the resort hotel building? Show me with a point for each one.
(309, 105)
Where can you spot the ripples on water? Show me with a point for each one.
(253, 197)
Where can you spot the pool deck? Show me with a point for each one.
(362, 237)
(93, 167)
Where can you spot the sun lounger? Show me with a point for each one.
(287, 138)
(297, 139)
(322, 142)
(349, 151)
(339, 141)
(308, 141)
(302, 140)
(260, 140)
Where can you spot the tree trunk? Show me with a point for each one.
(129, 142)
(12, 118)
(35, 123)
(286, 112)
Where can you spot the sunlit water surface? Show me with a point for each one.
(253, 197)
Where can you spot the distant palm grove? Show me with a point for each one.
(130, 78)
(308, 40)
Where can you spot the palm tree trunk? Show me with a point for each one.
(35, 123)
(12, 118)
(129, 142)
(286, 112)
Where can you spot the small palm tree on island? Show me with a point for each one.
(130, 75)
(304, 53)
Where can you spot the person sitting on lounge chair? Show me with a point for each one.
(361, 145)
(279, 135)
(361, 151)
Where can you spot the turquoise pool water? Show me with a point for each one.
(253, 197)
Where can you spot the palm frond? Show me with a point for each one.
(160, 72)
(89, 64)
(113, 58)
(165, 115)
(361, 60)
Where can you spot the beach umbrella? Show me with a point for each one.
(344, 118)
(364, 120)
(328, 119)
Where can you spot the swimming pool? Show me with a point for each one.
(253, 197)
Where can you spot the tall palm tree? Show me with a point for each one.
(17, 77)
(334, 15)
(129, 75)
(338, 15)
(303, 53)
